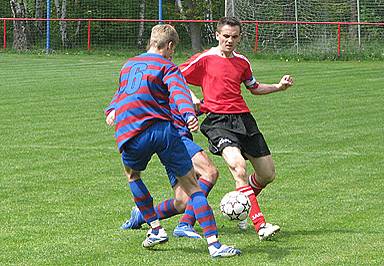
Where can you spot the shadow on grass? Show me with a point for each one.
(247, 241)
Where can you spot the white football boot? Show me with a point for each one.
(155, 239)
(223, 251)
(267, 231)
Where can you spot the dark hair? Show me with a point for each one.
(231, 21)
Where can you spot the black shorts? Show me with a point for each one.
(235, 130)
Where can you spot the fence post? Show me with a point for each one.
(47, 45)
(297, 28)
(358, 20)
(338, 39)
(256, 37)
(160, 11)
(229, 8)
(89, 35)
(5, 34)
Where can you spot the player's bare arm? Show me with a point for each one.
(285, 82)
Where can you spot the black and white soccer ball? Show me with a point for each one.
(235, 206)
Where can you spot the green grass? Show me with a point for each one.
(63, 194)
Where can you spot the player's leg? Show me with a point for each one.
(170, 207)
(164, 210)
(205, 217)
(237, 166)
(185, 173)
(205, 169)
(227, 144)
(144, 202)
(263, 175)
(208, 175)
(257, 151)
(135, 155)
(264, 171)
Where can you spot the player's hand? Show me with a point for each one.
(193, 124)
(110, 120)
(196, 102)
(285, 82)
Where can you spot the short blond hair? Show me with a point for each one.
(163, 34)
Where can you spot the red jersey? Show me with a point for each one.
(220, 79)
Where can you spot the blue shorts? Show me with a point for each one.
(192, 149)
(163, 139)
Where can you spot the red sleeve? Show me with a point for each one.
(192, 70)
(247, 71)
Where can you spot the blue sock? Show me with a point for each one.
(166, 209)
(189, 215)
(204, 214)
(143, 200)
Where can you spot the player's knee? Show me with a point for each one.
(238, 166)
(132, 175)
(180, 204)
(268, 177)
(240, 174)
(189, 182)
(212, 174)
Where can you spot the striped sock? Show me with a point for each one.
(189, 216)
(163, 210)
(166, 209)
(204, 214)
(256, 186)
(255, 213)
(143, 200)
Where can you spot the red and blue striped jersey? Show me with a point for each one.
(178, 121)
(146, 85)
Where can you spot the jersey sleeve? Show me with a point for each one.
(249, 80)
(179, 92)
(111, 105)
(192, 70)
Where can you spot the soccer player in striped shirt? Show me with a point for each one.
(207, 176)
(143, 122)
(229, 126)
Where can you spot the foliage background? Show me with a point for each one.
(320, 41)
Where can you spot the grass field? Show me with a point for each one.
(63, 194)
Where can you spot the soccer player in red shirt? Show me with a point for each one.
(229, 126)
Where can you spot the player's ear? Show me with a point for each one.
(171, 45)
(217, 35)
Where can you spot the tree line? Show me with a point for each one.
(26, 34)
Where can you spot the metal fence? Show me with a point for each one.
(293, 37)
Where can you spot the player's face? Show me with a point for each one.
(229, 38)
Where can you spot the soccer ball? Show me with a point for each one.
(235, 206)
